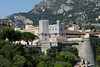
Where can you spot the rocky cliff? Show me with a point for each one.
(68, 11)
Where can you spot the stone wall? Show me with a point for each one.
(87, 51)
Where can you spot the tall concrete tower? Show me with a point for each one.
(44, 35)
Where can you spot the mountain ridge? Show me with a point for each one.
(68, 11)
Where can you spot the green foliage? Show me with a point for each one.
(87, 11)
(28, 36)
(94, 30)
(66, 56)
(59, 47)
(19, 61)
(17, 36)
(5, 62)
(57, 4)
(17, 55)
(98, 60)
(96, 45)
(42, 64)
(51, 52)
(11, 34)
(73, 50)
(1, 44)
(89, 27)
(64, 64)
(91, 35)
(4, 33)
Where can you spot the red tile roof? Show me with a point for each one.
(94, 32)
(73, 32)
(58, 37)
(5, 20)
(35, 26)
(71, 36)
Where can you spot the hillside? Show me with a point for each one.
(68, 11)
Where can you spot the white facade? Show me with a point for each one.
(48, 31)
(57, 30)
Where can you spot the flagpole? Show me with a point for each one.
(42, 14)
(42, 11)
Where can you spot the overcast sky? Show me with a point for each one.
(8, 7)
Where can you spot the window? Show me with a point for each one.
(45, 34)
(7, 23)
(55, 28)
(55, 34)
(61, 29)
(52, 29)
(61, 34)
(45, 39)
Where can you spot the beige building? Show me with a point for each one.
(74, 27)
(29, 28)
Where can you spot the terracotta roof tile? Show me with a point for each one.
(71, 36)
(73, 32)
(58, 37)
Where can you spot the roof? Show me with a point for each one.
(5, 20)
(71, 36)
(58, 37)
(73, 32)
(35, 27)
(94, 32)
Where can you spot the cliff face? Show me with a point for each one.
(19, 21)
(68, 11)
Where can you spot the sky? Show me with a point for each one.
(9, 7)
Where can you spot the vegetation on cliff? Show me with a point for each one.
(68, 11)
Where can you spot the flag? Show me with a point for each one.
(43, 10)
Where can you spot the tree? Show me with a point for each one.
(66, 57)
(19, 61)
(5, 62)
(28, 36)
(17, 36)
(73, 50)
(4, 33)
(42, 64)
(59, 47)
(11, 35)
(64, 64)
(51, 52)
